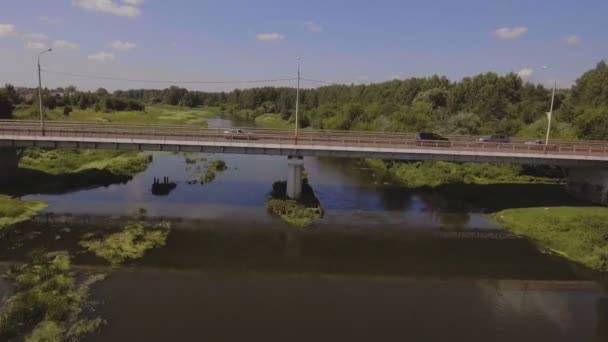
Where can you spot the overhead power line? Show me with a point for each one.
(163, 81)
(318, 81)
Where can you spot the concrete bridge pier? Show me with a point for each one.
(589, 184)
(295, 164)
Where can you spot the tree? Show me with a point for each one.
(67, 110)
(187, 100)
(12, 94)
(593, 124)
(6, 106)
(101, 92)
(590, 89)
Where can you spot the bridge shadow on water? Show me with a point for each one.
(227, 247)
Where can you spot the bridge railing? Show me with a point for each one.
(265, 131)
(164, 134)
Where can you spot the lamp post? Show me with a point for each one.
(550, 114)
(40, 91)
(298, 100)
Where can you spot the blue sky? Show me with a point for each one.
(341, 41)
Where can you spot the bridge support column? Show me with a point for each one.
(589, 184)
(9, 163)
(295, 165)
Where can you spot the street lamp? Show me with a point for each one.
(40, 90)
(298, 100)
(550, 112)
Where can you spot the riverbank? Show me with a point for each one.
(579, 234)
(48, 303)
(14, 211)
(153, 114)
(56, 162)
(431, 174)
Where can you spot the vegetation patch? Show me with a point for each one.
(153, 114)
(47, 303)
(208, 177)
(272, 121)
(13, 210)
(577, 233)
(131, 242)
(299, 213)
(217, 165)
(57, 162)
(437, 173)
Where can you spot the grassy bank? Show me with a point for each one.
(437, 173)
(299, 213)
(154, 114)
(577, 233)
(48, 304)
(272, 121)
(73, 161)
(14, 210)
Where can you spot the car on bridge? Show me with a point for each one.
(239, 134)
(535, 142)
(432, 140)
(496, 138)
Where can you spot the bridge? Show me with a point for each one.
(585, 161)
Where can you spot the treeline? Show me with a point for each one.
(483, 104)
(70, 97)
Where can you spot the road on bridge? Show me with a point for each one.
(14, 131)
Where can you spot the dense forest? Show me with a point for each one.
(486, 103)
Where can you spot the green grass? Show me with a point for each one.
(71, 161)
(13, 210)
(130, 243)
(577, 233)
(272, 121)
(154, 114)
(434, 174)
(293, 212)
(47, 303)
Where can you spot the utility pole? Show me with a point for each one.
(40, 91)
(298, 100)
(550, 114)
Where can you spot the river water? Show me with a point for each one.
(384, 263)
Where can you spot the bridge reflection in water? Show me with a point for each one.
(279, 283)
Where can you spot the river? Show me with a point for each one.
(383, 264)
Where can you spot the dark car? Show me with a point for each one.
(432, 140)
(496, 138)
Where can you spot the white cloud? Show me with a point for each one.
(313, 27)
(64, 44)
(269, 37)
(510, 32)
(119, 45)
(52, 21)
(572, 39)
(35, 36)
(35, 46)
(102, 57)
(133, 2)
(108, 6)
(525, 73)
(7, 30)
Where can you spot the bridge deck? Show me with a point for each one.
(309, 143)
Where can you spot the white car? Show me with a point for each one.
(535, 142)
(239, 134)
